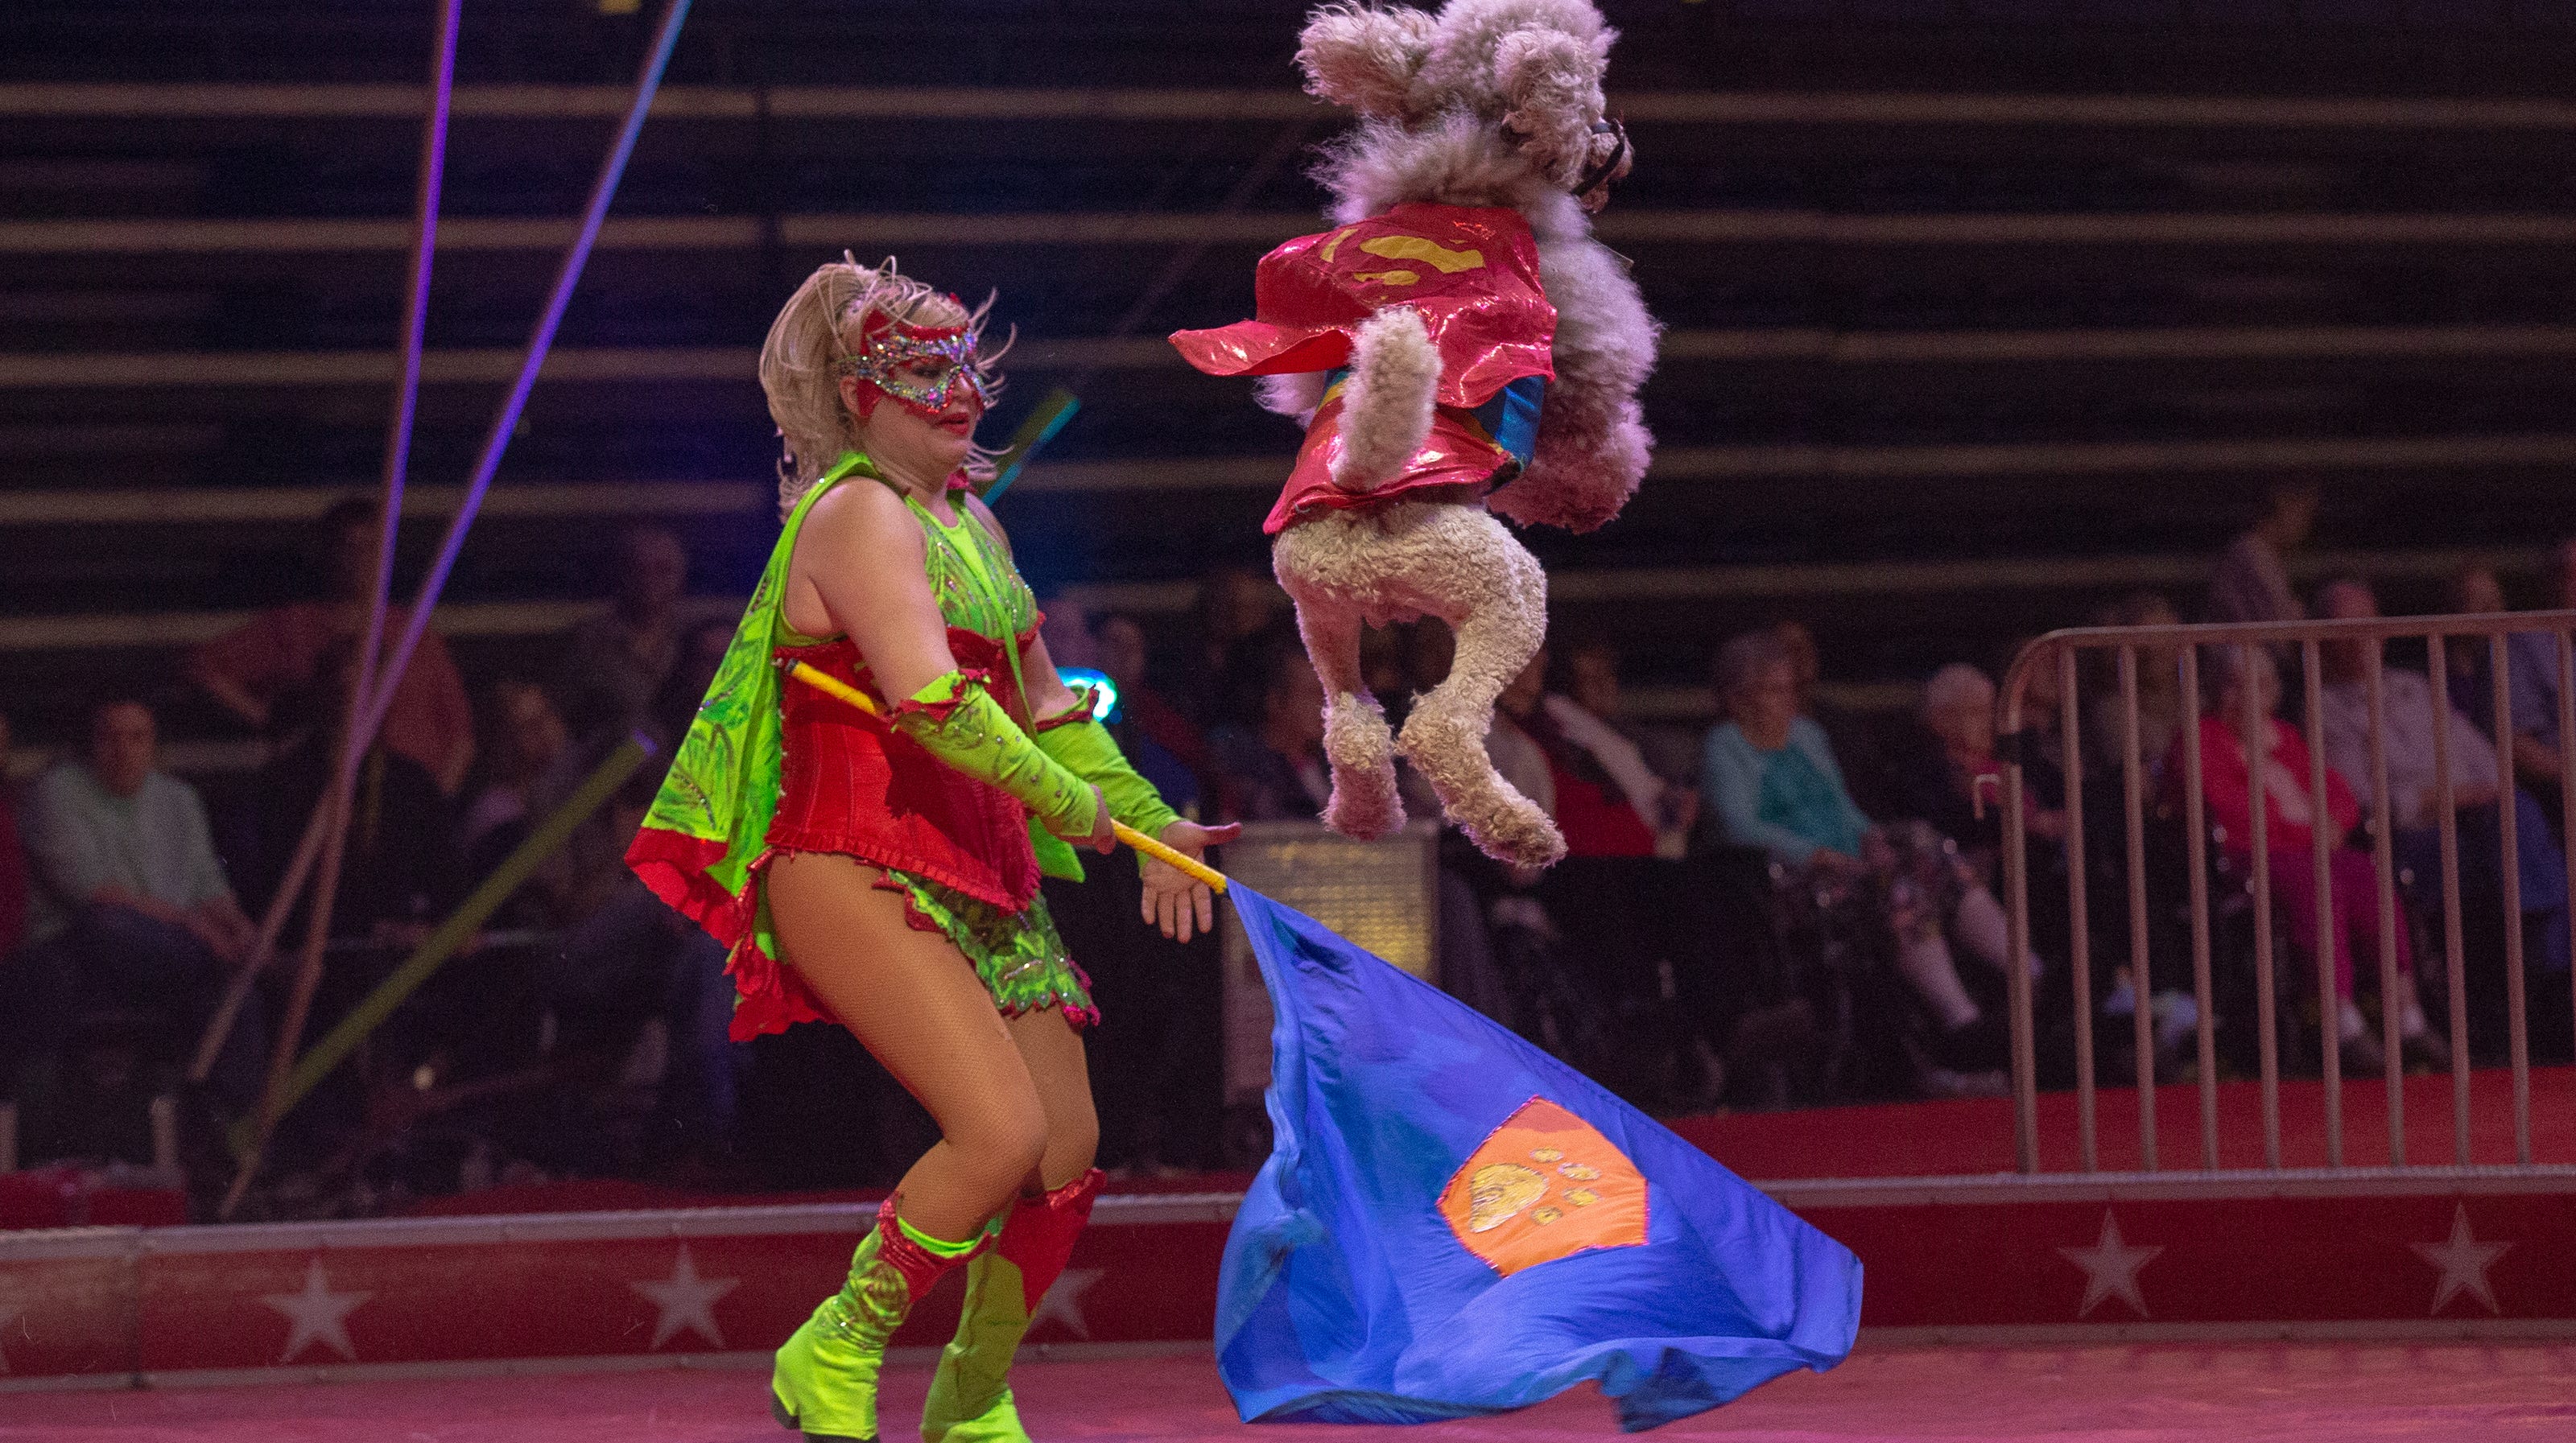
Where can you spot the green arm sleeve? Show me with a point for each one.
(1085, 748)
(957, 721)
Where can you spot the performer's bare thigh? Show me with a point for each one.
(1052, 1048)
(916, 1003)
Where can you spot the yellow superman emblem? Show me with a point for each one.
(1430, 253)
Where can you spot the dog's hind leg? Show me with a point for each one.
(1496, 603)
(1356, 739)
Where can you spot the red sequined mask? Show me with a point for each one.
(920, 367)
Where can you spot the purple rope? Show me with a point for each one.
(433, 176)
(326, 835)
(542, 338)
(326, 825)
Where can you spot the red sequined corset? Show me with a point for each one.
(853, 784)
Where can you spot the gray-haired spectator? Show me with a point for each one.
(1958, 716)
(1771, 782)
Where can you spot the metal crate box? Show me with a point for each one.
(1383, 895)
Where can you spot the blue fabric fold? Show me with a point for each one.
(1348, 1294)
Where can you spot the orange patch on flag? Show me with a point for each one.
(1544, 1186)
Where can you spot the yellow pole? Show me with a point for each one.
(833, 686)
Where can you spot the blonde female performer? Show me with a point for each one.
(880, 868)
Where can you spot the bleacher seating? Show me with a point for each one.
(1935, 320)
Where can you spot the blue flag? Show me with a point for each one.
(1451, 1223)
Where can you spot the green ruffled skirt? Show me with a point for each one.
(1018, 956)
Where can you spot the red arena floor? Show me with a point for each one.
(2291, 1392)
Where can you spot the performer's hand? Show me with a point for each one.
(1173, 899)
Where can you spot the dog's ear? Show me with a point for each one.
(1550, 84)
(1364, 57)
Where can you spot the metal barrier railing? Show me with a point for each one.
(2061, 649)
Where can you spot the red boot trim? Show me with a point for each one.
(919, 1265)
(1038, 1238)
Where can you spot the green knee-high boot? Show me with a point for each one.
(824, 1383)
(970, 1396)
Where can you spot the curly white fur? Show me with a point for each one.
(1362, 57)
(1486, 103)
(1387, 405)
(1410, 559)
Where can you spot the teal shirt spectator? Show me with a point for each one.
(1788, 802)
(82, 838)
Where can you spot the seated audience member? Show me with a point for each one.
(130, 911)
(399, 872)
(2473, 591)
(524, 736)
(1961, 713)
(1513, 965)
(1065, 624)
(627, 960)
(1427, 649)
(1958, 716)
(2532, 657)
(2160, 710)
(1275, 770)
(1119, 641)
(2043, 719)
(2413, 798)
(1867, 771)
(1626, 831)
(1153, 1061)
(2252, 582)
(609, 666)
(1242, 622)
(1609, 802)
(1384, 666)
(632, 959)
(590, 868)
(2292, 812)
(274, 655)
(1772, 782)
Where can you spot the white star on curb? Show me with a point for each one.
(687, 1301)
(1063, 1300)
(2110, 1268)
(319, 1315)
(2464, 1262)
